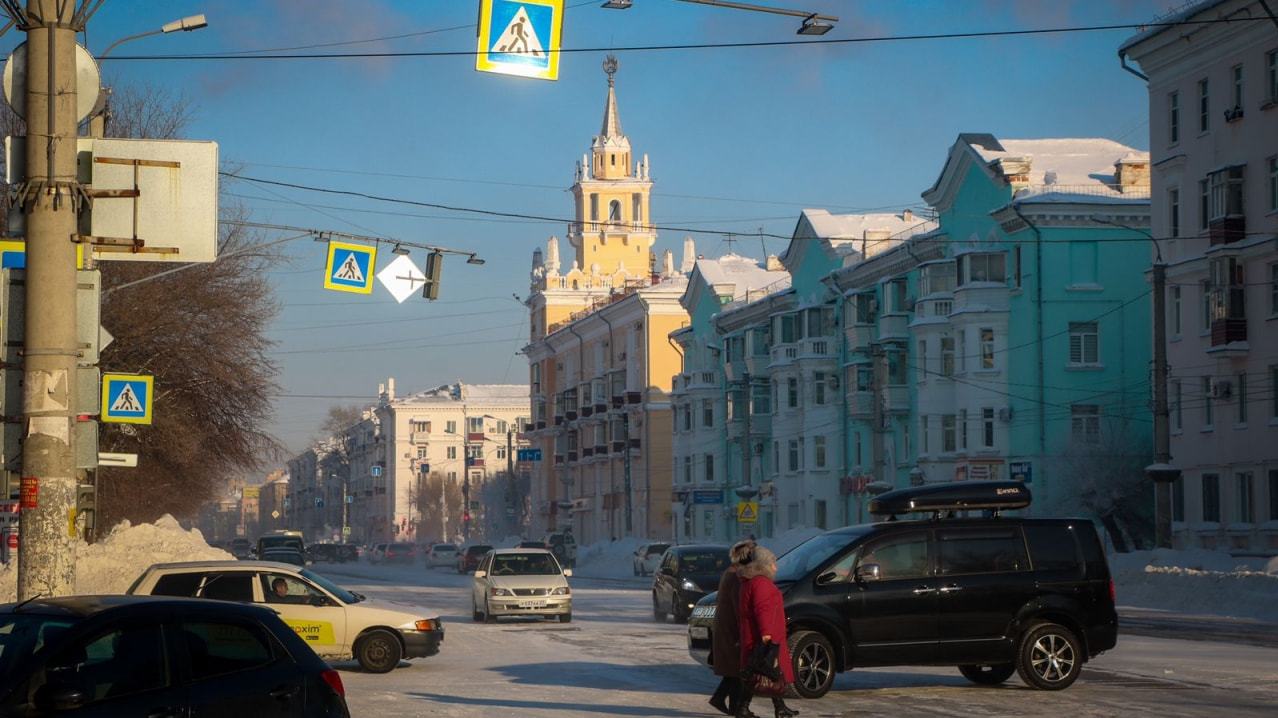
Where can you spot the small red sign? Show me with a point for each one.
(30, 496)
(13, 542)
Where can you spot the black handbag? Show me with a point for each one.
(764, 660)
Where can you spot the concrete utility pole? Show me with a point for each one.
(46, 560)
(1161, 471)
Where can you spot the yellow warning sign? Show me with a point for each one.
(748, 512)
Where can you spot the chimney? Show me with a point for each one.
(1130, 173)
(907, 215)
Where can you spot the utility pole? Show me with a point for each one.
(1161, 471)
(879, 395)
(52, 192)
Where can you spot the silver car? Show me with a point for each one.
(521, 582)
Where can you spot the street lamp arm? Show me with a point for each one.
(186, 24)
(761, 8)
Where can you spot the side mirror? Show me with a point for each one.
(568, 573)
(480, 574)
(868, 572)
(667, 571)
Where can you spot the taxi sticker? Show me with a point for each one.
(320, 632)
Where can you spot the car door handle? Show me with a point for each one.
(924, 590)
(284, 692)
(163, 712)
(950, 588)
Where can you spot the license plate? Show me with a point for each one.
(532, 604)
(698, 632)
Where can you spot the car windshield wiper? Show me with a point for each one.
(359, 596)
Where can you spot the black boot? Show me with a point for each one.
(743, 707)
(781, 710)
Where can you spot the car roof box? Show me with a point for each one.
(995, 496)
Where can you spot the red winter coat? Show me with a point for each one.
(761, 613)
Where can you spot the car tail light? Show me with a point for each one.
(334, 681)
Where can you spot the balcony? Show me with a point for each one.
(559, 421)
(635, 444)
(1228, 331)
(601, 406)
(571, 415)
(1225, 230)
(587, 411)
(529, 427)
(541, 424)
(633, 397)
(618, 446)
(559, 459)
(816, 347)
(572, 456)
(587, 452)
(784, 354)
(475, 436)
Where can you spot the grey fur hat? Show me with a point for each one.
(741, 551)
(762, 563)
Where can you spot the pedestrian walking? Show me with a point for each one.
(725, 651)
(760, 621)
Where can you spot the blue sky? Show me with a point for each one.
(740, 140)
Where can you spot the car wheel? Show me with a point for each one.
(676, 610)
(636, 570)
(488, 613)
(1049, 657)
(378, 651)
(988, 675)
(565, 617)
(814, 666)
(658, 615)
(475, 615)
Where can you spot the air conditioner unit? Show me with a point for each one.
(1220, 388)
(1005, 414)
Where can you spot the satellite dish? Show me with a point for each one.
(88, 82)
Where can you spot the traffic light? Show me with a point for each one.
(434, 265)
(466, 517)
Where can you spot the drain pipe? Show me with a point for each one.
(1038, 309)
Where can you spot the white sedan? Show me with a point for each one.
(521, 582)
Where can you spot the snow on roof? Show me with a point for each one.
(835, 227)
(746, 274)
(461, 391)
(1071, 162)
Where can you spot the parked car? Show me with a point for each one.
(520, 582)
(399, 552)
(683, 576)
(285, 555)
(468, 558)
(563, 545)
(993, 594)
(647, 557)
(337, 624)
(377, 553)
(139, 656)
(279, 539)
(347, 552)
(441, 554)
(325, 552)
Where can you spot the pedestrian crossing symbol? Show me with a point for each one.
(350, 267)
(520, 37)
(126, 398)
(748, 512)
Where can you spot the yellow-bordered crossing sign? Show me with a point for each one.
(126, 398)
(520, 37)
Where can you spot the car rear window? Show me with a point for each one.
(177, 584)
(1053, 547)
(229, 587)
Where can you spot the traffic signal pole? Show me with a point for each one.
(46, 559)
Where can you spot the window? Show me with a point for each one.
(1178, 499)
(1177, 415)
(987, 427)
(421, 452)
(1173, 117)
(794, 455)
(1208, 407)
(1242, 398)
(760, 399)
(594, 208)
(614, 211)
(687, 417)
(1236, 75)
(451, 452)
(1204, 204)
(450, 427)
(1173, 212)
(923, 435)
(1273, 495)
(1244, 497)
(220, 648)
(788, 329)
(865, 305)
(947, 356)
(760, 341)
(792, 392)
(1272, 60)
(636, 207)
(709, 475)
(980, 551)
(1226, 193)
(903, 556)
(1211, 497)
(707, 413)
(961, 350)
(1084, 343)
(962, 427)
(936, 278)
(818, 452)
(922, 360)
(1085, 423)
(1228, 289)
(949, 434)
(1204, 294)
(897, 367)
(1204, 106)
(819, 380)
(1273, 184)
(987, 348)
(687, 469)
(977, 267)
(1273, 391)
(1175, 312)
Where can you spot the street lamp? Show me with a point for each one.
(102, 109)
(813, 23)
(1161, 471)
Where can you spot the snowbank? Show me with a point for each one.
(1188, 582)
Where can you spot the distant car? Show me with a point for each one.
(685, 574)
(532, 544)
(377, 552)
(326, 552)
(347, 552)
(647, 557)
(337, 624)
(520, 582)
(140, 655)
(241, 548)
(468, 558)
(400, 552)
(563, 545)
(279, 539)
(285, 555)
(441, 554)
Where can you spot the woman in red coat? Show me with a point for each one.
(761, 619)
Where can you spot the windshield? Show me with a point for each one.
(21, 635)
(525, 564)
(342, 594)
(807, 556)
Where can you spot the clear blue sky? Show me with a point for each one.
(740, 140)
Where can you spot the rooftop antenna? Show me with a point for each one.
(730, 240)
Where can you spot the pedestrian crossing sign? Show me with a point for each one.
(748, 512)
(126, 398)
(350, 267)
(520, 37)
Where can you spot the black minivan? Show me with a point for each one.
(993, 595)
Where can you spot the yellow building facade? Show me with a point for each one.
(600, 363)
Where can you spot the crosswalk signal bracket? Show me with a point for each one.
(434, 267)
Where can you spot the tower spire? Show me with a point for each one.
(611, 120)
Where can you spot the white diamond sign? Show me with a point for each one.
(401, 278)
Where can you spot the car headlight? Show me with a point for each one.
(561, 591)
(429, 624)
(689, 586)
(496, 591)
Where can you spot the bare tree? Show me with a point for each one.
(1107, 481)
(439, 504)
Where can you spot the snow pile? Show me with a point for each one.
(1183, 582)
(111, 564)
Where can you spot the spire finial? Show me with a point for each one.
(610, 65)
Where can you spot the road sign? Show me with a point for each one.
(350, 267)
(748, 512)
(520, 37)
(319, 502)
(401, 278)
(528, 455)
(126, 398)
(376, 470)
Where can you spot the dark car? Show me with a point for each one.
(326, 552)
(684, 575)
(100, 656)
(285, 555)
(400, 553)
(468, 558)
(347, 552)
(993, 595)
(241, 548)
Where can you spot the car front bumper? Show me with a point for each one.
(421, 644)
(523, 606)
